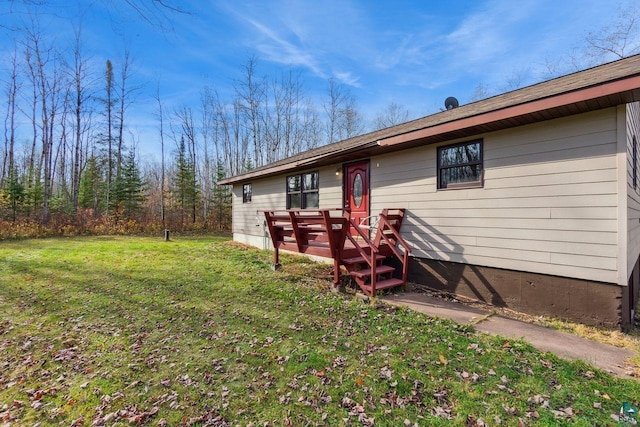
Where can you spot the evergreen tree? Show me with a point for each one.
(185, 189)
(15, 193)
(221, 198)
(91, 184)
(34, 194)
(128, 188)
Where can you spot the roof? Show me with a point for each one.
(596, 88)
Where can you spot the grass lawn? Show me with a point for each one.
(200, 331)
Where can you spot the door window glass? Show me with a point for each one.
(357, 190)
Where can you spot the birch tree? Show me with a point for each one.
(11, 93)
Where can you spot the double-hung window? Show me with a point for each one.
(460, 165)
(302, 191)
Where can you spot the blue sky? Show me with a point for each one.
(413, 53)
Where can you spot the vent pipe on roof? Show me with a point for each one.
(450, 103)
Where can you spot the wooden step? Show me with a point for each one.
(360, 260)
(384, 284)
(381, 269)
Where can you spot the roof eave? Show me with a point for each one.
(628, 86)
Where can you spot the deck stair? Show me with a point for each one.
(368, 268)
(325, 233)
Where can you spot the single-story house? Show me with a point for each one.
(529, 199)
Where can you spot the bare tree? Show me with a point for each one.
(284, 117)
(160, 116)
(616, 40)
(352, 123)
(159, 14)
(480, 92)
(312, 130)
(12, 87)
(45, 78)
(125, 98)
(80, 100)
(208, 133)
(109, 102)
(393, 115)
(332, 107)
(251, 100)
(514, 80)
(230, 138)
(59, 168)
(343, 118)
(188, 131)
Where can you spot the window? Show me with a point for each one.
(460, 165)
(635, 162)
(302, 191)
(246, 193)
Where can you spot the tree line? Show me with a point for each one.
(68, 158)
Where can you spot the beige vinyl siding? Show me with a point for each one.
(330, 187)
(633, 193)
(548, 205)
(270, 194)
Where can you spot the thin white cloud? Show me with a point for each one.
(489, 33)
(277, 49)
(347, 78)
(320, 38)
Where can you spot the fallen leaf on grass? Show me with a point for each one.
(386, 373)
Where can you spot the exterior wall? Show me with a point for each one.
(269, 194)
(632, 232)
(584, 301)
(548, 204)
(633, 192)
(546, 234)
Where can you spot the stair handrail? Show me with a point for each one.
(362, 234)
(407, 250)
(385, 221)
(374, 251)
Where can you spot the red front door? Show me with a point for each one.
(356, 192)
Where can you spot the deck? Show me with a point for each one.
(326, 233)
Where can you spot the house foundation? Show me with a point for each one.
(577, 300)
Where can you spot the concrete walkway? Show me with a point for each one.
(567, 346)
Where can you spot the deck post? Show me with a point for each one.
(336, 273)
(276, 259)
(273, 233)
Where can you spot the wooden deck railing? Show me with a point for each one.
(312, 232)
(326, 233)
(390, 225)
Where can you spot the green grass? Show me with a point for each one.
(201, 331)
